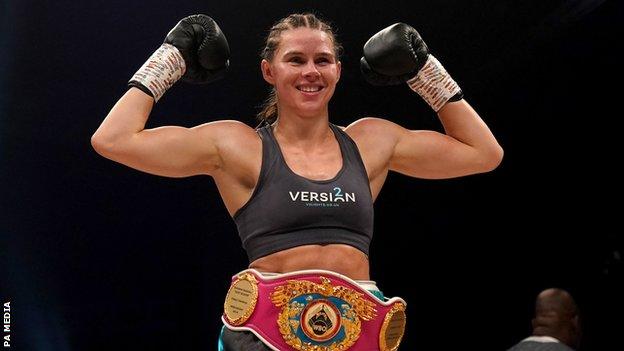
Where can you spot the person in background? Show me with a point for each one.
(556, 326)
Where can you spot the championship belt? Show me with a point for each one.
(313, 310)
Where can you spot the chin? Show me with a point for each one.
(312, 111)
(310, 114)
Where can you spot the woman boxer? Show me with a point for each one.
(300, 189)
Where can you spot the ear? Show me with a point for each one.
(338, 69)
(267, 73)
(576, 322)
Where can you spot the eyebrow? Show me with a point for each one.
(294, 53)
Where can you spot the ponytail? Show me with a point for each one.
(268, 114)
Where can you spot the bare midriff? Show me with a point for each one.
(343, 259)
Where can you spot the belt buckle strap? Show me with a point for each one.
(241, 298)
(313, 311)
(320, 315)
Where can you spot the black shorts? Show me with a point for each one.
(240, 341)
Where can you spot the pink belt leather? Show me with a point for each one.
(313, 310)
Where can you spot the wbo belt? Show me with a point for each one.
(313, 310)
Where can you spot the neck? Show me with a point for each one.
(564, 336)
(302, 131)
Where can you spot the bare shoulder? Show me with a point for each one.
(373, 128)
(228, 126)
(229, 133)
(239, 151)
(237, 144)
(375, 139)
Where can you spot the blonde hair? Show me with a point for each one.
(268, 113)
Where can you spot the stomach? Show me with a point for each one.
(339, 258)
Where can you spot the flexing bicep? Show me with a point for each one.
(173, 151)
(386, 145)
(433, 155)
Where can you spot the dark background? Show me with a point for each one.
(97, 256)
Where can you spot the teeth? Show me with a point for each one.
(310, 89)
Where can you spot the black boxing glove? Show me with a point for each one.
(397, 54)
(195, 50)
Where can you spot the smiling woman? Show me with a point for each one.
(307, 44)
(304, 72)
(299, 188)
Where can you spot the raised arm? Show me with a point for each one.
(169, 151)
(398, 55)
(196, 51)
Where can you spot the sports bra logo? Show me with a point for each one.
(313, 198)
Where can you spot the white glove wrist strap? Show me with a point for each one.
(161, 70)
(434, 84)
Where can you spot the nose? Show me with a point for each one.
(310, 71)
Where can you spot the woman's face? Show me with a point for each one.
(304, 71)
